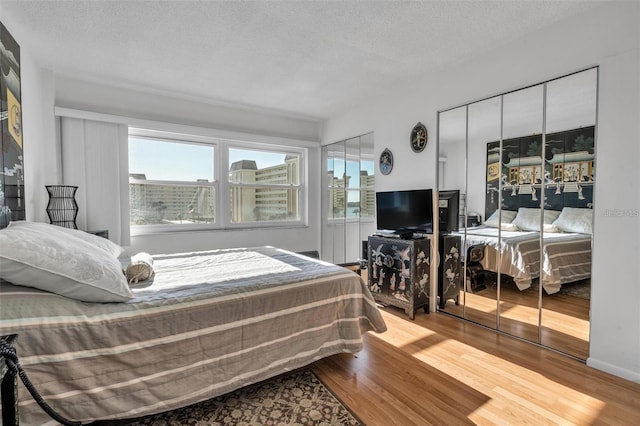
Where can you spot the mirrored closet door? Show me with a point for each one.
(348, 198)
(569, 152)
(524, 163)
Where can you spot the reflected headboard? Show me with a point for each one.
(567, 178)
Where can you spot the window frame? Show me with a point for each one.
(221, 183)
(302, 197)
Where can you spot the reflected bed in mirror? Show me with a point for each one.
(566, 256)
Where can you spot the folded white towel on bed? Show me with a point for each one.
(140, 268)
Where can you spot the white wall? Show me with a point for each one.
(92, 96)
(41, 156)
(608, 37)
(43, 91)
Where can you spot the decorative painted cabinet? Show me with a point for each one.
(449, 269)
(398, 272)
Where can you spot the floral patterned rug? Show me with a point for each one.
(297, 398)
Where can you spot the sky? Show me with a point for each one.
(189, 162)
(353, 169)
(186, 162)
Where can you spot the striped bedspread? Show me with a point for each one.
(206, 324)
(566, 256)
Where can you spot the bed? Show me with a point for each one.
(509, 241)
(205, 324)
(566, 256)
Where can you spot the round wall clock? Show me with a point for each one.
(419, 137)
(386, 162)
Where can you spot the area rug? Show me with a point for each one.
(297, 398)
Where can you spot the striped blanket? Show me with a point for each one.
(566, 256)
(206, 324)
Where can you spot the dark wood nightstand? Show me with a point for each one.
(104, 233)
(8, 388)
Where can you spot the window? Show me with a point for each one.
(264, 185)
(171, 182)
(175, 183)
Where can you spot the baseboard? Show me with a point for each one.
(613, 369)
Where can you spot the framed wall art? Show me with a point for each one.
(11, 159)
(386, 162)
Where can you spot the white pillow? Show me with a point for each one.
(528, 219)
(574, 219)
(102, 243)
(32, 256)
(507, 219)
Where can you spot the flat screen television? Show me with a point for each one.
(448, 211)
(403, 211)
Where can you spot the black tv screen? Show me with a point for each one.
(448, 211)
(410, 210)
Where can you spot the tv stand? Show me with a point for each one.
(398, 272)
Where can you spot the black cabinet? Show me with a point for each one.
(398, 272)
(449, 269)
(104, 233)
(8, 387)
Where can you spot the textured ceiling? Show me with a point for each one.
(305, 58)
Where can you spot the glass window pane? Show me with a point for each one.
(337, 178)
(337, 204)
(158, 159)
(330, 171)
(352, 178)
(336, 164)
(264, 204)
(368, 203)
(353, 204)
(367, 175)
(171, 204)
(263, 167)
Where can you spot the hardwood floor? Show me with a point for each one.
(564, 319)
(442, 370)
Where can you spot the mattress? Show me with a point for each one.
(206, 323)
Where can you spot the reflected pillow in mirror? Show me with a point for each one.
(573, 219)
(507, 219)
(61, 264)
(528, 219)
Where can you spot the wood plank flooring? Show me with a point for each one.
(440, 370)
(565, 319)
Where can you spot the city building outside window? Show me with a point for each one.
(171, 182)
(351, 188)
(178, 183)
(264, 185)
